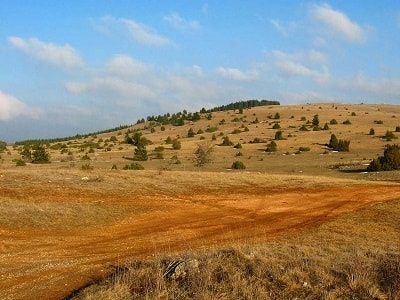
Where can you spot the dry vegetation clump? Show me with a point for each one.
(355, 256)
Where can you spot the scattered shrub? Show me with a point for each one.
(304, 128)
(378, 122)
(389, 135)
(389, 161)
(238, 146)
(87, 166)
(333, 122)
(20, 163)
(315, 121)
(236, 131)
(347, 122)
(226, 142)
(276, 126)
(397, 129)
(176, 144)
(133, 166)
(372, 131)
(272, 147)
(304, 149)
(339, 145)
(203, 153)
(238, 165)
(279, 135)
(191, 132)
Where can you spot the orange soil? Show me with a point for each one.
(50, 264)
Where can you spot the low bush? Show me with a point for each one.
(238, 165)
(388, 162)
(133, 166)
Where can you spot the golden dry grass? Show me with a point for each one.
(354, 256)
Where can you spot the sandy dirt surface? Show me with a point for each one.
(60, 233)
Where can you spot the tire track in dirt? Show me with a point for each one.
(49, 264)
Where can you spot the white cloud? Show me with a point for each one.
(338, 23)
(308, 64)
(114, 87)
(140, 33)
(176, 21)
(11, 107)
(382, 87)
(63, 56)
(142, 86)
(284, 28)
(125, 65)
(236, 74)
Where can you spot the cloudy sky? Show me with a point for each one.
(71, 67)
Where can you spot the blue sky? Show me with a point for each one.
(71, 67)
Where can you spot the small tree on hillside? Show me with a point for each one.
(226, 142)
(272, 147)
(40, 155)
(339, 145)
(279, 135)
(203, 153)
(315, 121)
(389, 161)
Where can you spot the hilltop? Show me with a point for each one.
(301, 146)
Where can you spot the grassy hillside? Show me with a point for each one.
(301, 147)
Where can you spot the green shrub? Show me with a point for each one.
(372, 131)
(397, 129)
(389, 135)
(211, 129)
(226, 142)
(333, 122)
(389, 161)
(315, 121)
(304, 149)
(272, 147)
(238, 165)
(85, 157)
(87, 166)
(39, 155)
(304, 128)
(236, 131)
(276, 126)
(176, 144)
(140, 153)
(191, 133)
(347, 122)
(238, 146)
(20, 163)
(378, 122)
(258, 140)
(279, 135)
(133, 166)
(339, 145)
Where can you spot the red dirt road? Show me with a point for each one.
(39, 262)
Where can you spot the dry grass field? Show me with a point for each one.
(306, 224)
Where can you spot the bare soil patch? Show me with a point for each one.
(61, 229)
